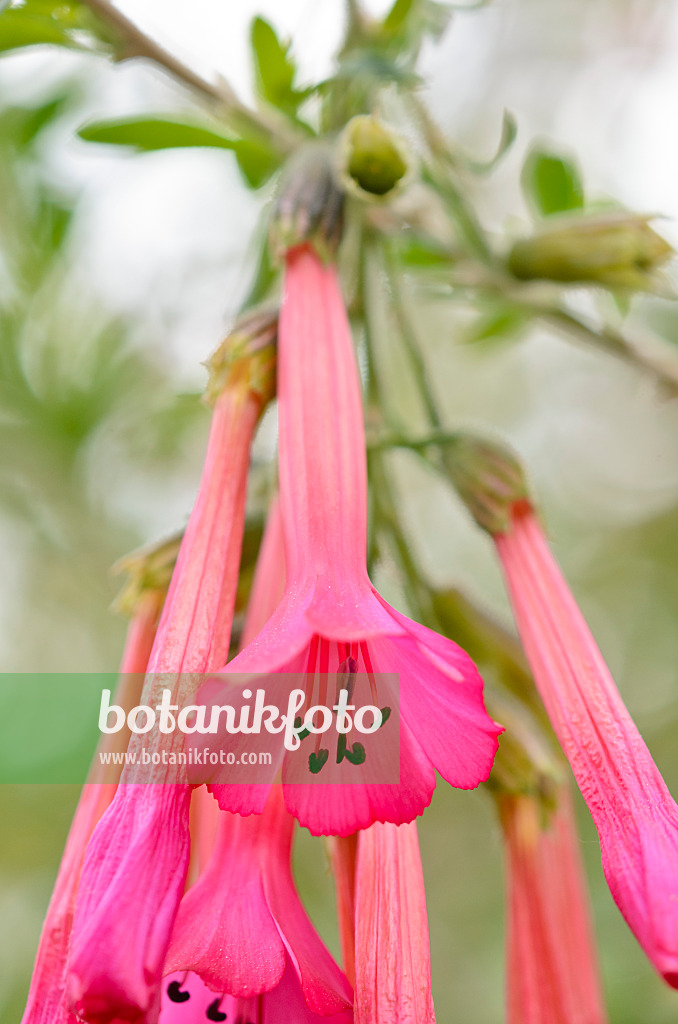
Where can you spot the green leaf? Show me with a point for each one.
(275, 69)
(255, 159)
(38, 22)
(500, 322)
(18, 29)
(509, 130)
(552, 183)
(397, 16)
(420, 253)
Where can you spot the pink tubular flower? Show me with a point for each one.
(242, 941)
(135, 870)
(243, 930)
(392, 956)
(47, 994)
(330, 615)
(552, 971)
(634, 813)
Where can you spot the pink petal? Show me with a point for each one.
(636, 817)
(342, 808)
(284, 1005)
(443, 705)
(552, 971)
(325, 988)
(393, 968)
(323, 475)
(224, 931)
(47, 995)
(134, 873)
(132, 883)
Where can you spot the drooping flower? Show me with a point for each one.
(46, 1000)
(135, 870)
(634, 813)
(331, 620)
(241, 928)
(242, 943)
(552, 972)
(392, 954)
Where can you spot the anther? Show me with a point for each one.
(213, 1011)
(175, 993)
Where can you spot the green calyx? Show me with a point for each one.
(374, 160)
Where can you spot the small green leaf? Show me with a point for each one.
(38, 22)
(509, 130)
(19, 29)
(275, 69)
(500, 322)
(420, 253)
(153, 133)
(552, 183)
(397, 16)
(256, 160)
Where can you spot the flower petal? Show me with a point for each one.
(224, 931)
(325, 988)
(634, 813)
(135, 870)
(393, 964)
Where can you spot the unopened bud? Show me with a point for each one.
(310, 204)
(618, 249)
(489, 479)
(149, 570)
(246, 355)
(374, 160)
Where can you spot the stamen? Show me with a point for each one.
(370, 671)
(213, 1011)
(310, 673)
(175, 993)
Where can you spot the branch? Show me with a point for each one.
(650, 354)
(136, 44)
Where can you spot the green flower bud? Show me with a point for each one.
(375, 162)
(618, 250)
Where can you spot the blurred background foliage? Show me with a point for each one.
(118, 274)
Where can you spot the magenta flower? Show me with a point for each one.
(330, 612)
(634, 813)
(552, 969)
(135, 870)
(47, 994)
(392, 954)
(241, 928)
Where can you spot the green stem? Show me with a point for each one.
(409, 338)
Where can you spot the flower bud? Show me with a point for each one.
(149, 569)
(310, 204)
(246, 355)
(618, 249)
(374, 160)
(488, 477)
